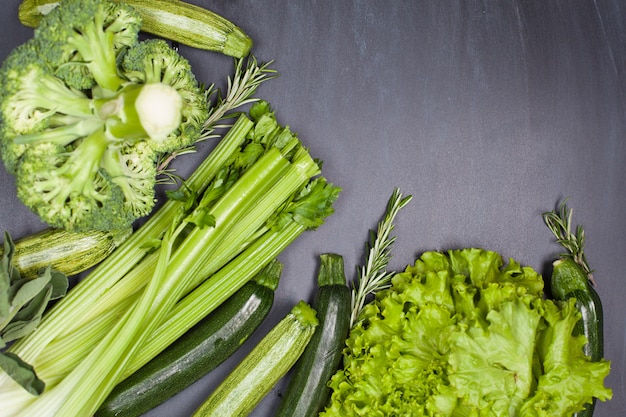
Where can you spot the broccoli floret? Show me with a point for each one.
(82, 40)
(87, 110)
(59, 188)
(34, 99)
(153, 61)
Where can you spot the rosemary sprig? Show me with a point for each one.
(241, 88)
(559, 222)
(373, 276)
(240, 91)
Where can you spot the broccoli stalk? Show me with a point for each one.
(37, 89)
(96, 47)
(149, 110)
(138, 112)
(86, 112)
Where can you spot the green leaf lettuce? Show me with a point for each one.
(461, 333)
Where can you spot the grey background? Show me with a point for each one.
(487, 112)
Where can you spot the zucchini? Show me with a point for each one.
(572, 278)
(308, 391)
(198, 351)
(569, 280)
(259, 371)
(65, 251)
(175, 20)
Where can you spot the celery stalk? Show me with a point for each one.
(221, 285)
(129, 254)
(82, 301)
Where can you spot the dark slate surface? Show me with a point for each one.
(487, 112)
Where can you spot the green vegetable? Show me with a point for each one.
(178, 21)
(462, 333)
(67, 252)
(307, 391)
(572, 279)
(338, 307)
(22, 304)
(198, 351)
(258, 190)
(87, 110)
(259, 371)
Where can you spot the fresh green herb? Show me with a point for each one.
(241, 90)
(22, 304)
(373, 276)
(560, 224)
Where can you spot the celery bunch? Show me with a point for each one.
(256, 192)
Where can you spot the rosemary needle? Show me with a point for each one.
(373, 276)
(242, 87)
(560, 224)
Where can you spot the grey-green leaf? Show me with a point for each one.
(21, 372)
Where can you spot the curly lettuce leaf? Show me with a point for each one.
(461, 333)
(390, 366)
(566, 370)
(492, 368)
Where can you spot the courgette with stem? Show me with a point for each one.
(198, 351)
(174, 20)
(308, 391)
(259, 371)
(66, 251)
(572, 278)
(570, 281)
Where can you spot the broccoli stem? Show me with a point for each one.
(142, 110)
(96, 46)
(79, 170)
(41, 93)
(63, 135)
(85, 161)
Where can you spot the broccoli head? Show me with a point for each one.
(87, 110)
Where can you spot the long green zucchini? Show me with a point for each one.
(259, 371)
(198, 351)
(308, 391)
(571, 278)
(67, 252)
(175, 20)
(570, 281)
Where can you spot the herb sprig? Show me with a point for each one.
(373, 276)
(241, 90)
(559, 222)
